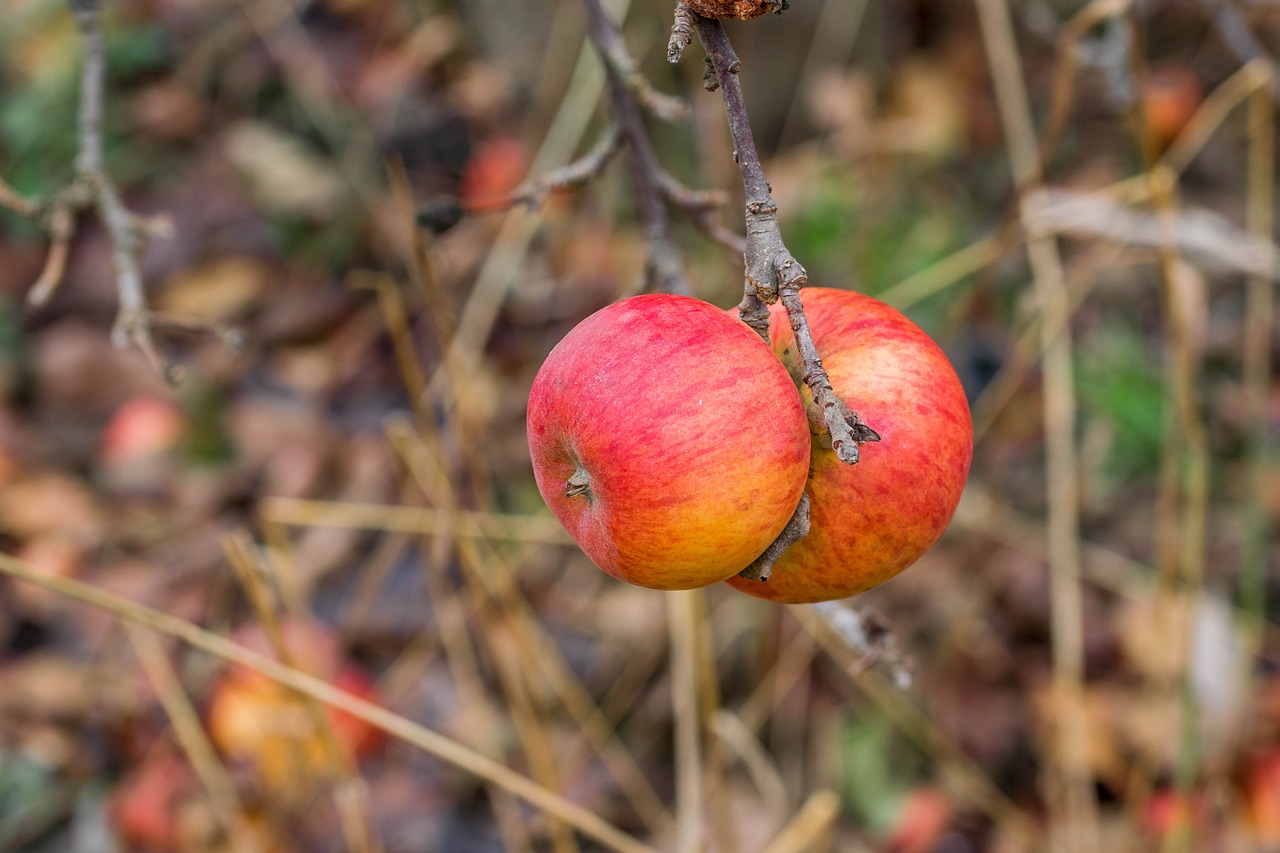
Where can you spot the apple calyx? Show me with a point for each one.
(579, 483)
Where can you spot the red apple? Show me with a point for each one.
(668, 440)
(871, 520)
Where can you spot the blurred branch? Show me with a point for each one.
(532, 193)
(92, 188)
(627, 71)
(868, 634)
(702, 208)
(132, 323)
(1207, 237)
(1237, 36)
(663, 268)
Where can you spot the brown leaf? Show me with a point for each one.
(51, 503)
(218, 292)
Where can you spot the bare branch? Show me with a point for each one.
(132, 324)
(62, 225)
(613, 49)
(533, 192)
(663, 269)
(702, 208)
(772, 273)
(15, 201)
(92, 188)
(681, 32)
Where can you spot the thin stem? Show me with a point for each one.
(132, 322)
(682, 615)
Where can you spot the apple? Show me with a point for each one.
(264, 724)
(668, 440)
(871, 520)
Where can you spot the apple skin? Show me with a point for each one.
(871, 520)
(687, 434)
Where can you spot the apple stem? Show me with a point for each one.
(761, 569)
(772, 272)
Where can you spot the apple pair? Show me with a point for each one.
(674, 446)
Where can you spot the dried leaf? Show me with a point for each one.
(284, 174)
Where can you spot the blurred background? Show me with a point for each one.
(1093, 644)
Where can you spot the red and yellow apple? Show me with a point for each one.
(668, 440)
(258, 721)
(871, 520)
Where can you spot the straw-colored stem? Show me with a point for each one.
(1259, 323)
(349, 791)
(683, 631)
(1073, 806)
(811, 828)
(223, 798)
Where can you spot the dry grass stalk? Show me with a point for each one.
(1074, 808)
(431, 742)
(349, 793)
(224, 800)
(811, 830)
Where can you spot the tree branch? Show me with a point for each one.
(772, 272)
(663, 269)
(533, 192)
(132, 324)
(91, 188)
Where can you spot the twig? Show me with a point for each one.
(442, 212)
(702, 208)
(92, 188)
(681, 32)
(62, 225)
(663, 269)
(1237, 36)
(15, 201)
(623, 66)
(772, 273)
(132, 323)
(533, 193)
(811, 828)
(227, 808)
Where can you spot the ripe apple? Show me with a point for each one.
(871, 520)
(668, 440)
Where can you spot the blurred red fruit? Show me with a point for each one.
(256, 720)
(140, 429)
(494, 170)
(1171, 95)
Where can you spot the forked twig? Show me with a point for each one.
(772, 272)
